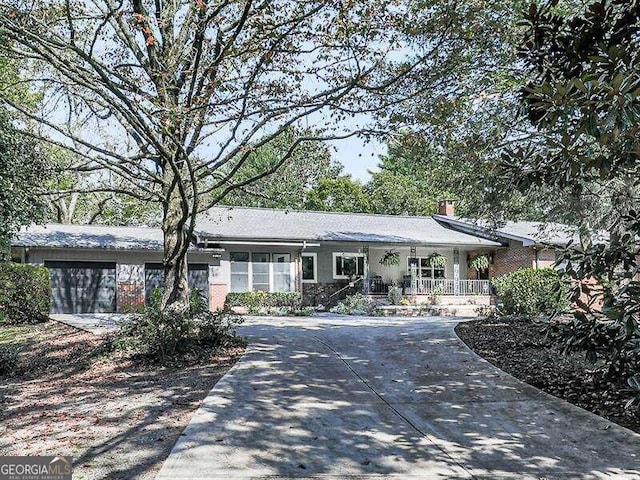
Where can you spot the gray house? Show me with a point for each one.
(320, 254)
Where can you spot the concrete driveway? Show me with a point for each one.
(335, 397)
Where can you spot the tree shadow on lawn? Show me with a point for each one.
(118, 420)
(392, 400)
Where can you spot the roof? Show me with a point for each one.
(55, 235)
(529, 233)
(258, 224)
(271, 224)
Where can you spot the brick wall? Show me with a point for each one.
(130, 296)
(510, 259)
(217, 295)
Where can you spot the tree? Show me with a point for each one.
(72, 199)
(583, 101)
(22, 171)
(290, 186)
(342, 194)
(168, 95)
(23, 165)
(409, 180)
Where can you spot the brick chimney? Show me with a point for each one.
(446, 207)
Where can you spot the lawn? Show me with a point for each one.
(519, 346)
(118, 419)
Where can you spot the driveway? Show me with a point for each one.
(335, 397)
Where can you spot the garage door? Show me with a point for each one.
(154, 278)
(82, 287)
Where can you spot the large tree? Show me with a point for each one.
(583, 101)
(341, 194)
(167, 95)
(290, 186)
(23, 164)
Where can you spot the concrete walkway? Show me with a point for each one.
(96, 323)
(386, 398)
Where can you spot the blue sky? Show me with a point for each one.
(357, 156)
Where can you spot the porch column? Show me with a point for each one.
(365, 280)
(413, 253)
(456, 272)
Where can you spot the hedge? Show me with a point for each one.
(257, 301)
(25, 293)
(531, 291)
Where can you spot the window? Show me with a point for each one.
(281, 272)
(268, 272)
(239, 272)
(261, 271)
(347, 265)
(309, 270)
(423, 269)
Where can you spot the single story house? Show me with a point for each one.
(320, 254)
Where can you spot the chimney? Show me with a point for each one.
(446, 207)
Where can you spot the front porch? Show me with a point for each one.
(427, 286)
(441, 271)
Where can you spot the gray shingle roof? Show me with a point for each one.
(236, 223)
(269, 224)
(55, 235)
(529, 233)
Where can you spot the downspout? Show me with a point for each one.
(535, 249)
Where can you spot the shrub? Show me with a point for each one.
(356, 304)
(532, 291)
(260, 302)
(394, 295)
(25, 293)
(164, 334)
(9, 358)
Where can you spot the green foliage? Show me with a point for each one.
(531, 291)
(23, 172)
(582, 100)
(634, 384)
(479, 263)
(394, 295)
(407, 183)
(9, 356)
(290, 184)
(341, 194)
(162, 335)
(260, 302)
(437, 260)
(390, 258)
(355, 304)
(25, 293)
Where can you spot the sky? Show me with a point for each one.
(357, 156)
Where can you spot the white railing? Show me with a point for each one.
(446, 286)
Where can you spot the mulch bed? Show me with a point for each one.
(518, 346)
(118, 419)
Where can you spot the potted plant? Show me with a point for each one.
(479, 263)
(390, 258)
(437, 260)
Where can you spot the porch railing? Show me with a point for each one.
(446, 286)
(429, 286)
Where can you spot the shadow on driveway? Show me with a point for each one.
(367, 397)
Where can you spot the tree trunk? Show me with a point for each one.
(176, 245)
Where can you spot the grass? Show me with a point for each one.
(17, 334)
